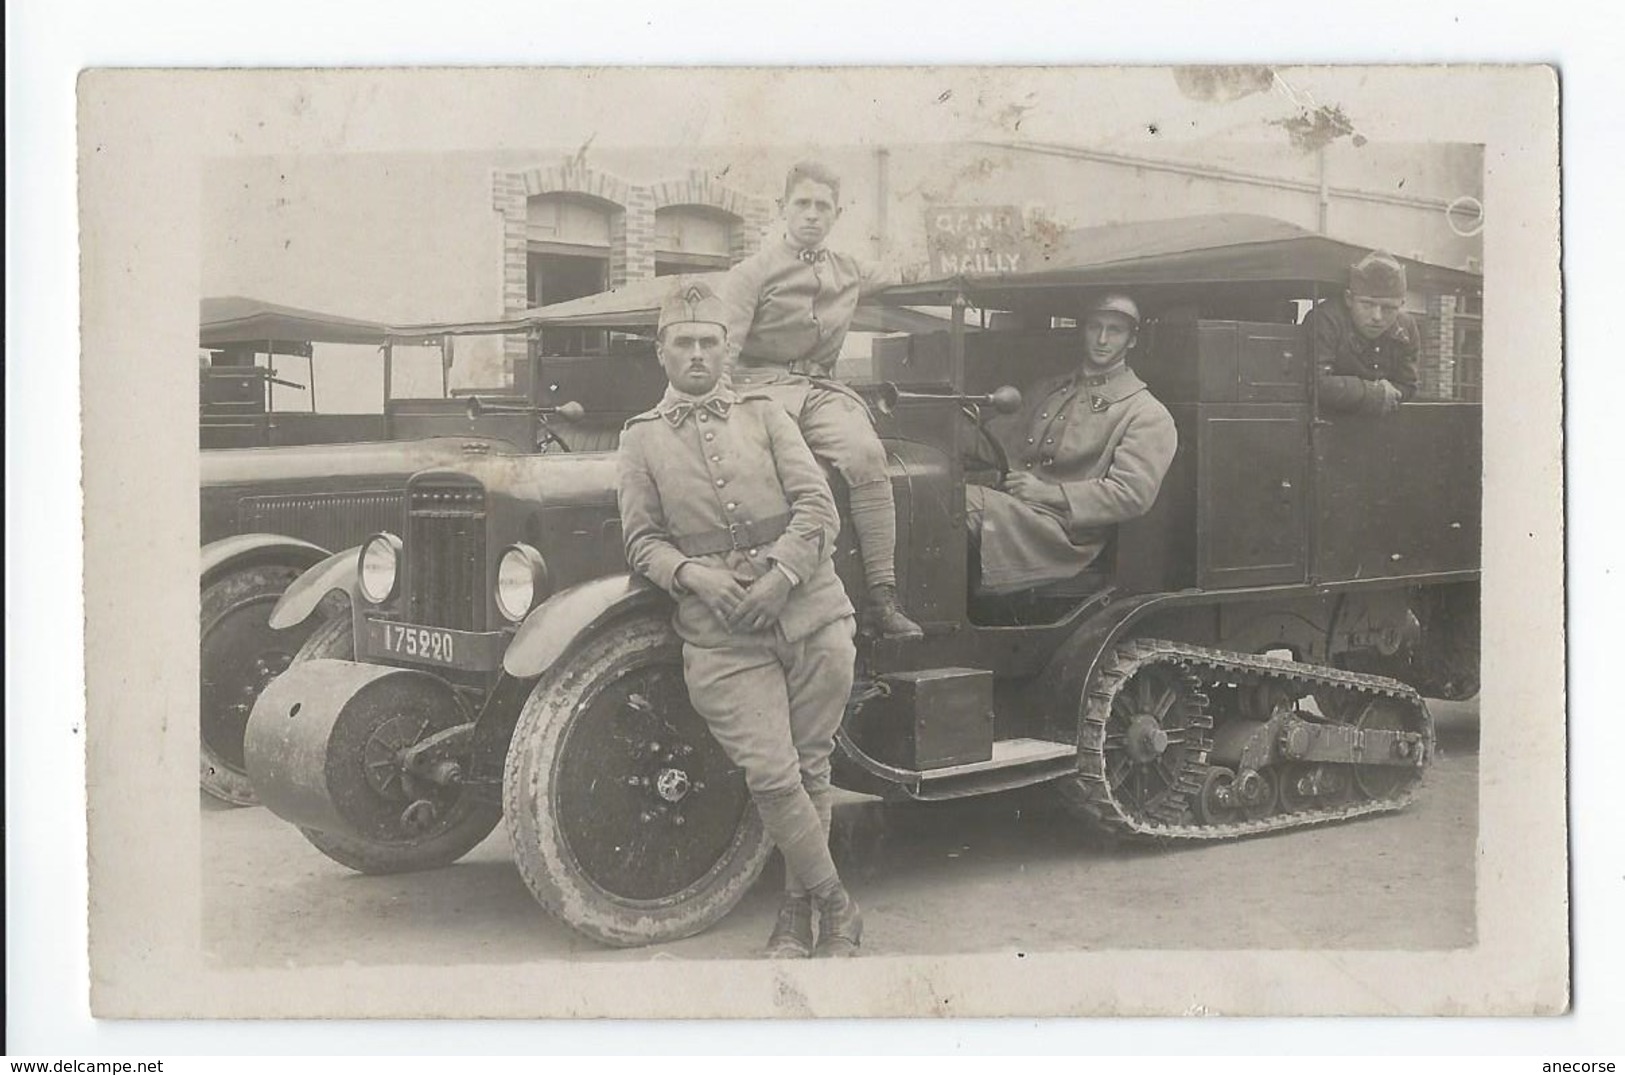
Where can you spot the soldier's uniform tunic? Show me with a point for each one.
(728, 481)
(788, 312)
(1106, 441)
(1349, 366)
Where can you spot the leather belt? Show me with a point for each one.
(733, 537)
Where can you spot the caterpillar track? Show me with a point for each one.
(1182, 742)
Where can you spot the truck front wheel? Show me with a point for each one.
(628, 821)
(239, 654)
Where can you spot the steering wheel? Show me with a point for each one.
(987, 453)
(546, 436)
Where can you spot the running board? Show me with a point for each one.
(1015, 763)
(1007, 753)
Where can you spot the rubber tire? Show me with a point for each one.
(217, 776)
(335, 639)
(540, 848)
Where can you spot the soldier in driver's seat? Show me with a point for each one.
(1087, 450)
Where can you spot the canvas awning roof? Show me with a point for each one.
(230, 319)
(1174, 256)
(635, 307)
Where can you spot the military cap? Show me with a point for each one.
(691, 301)
(1116, 303)
(1378, 275)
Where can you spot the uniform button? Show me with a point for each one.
(732, 505)
(1031, 441)
(1044, 415)
(753, 552)
(716, 459)
(1029, 466)
(1049, 440)
(704, 417)
(710, 436)
(721, 482)
(1049, 462)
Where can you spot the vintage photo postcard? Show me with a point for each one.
(823, 543)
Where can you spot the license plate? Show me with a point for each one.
(471, 651)
(431, 644)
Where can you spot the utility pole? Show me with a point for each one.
(1325, 192)
(882, 202)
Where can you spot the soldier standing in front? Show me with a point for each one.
(789, 308)
(725, 508)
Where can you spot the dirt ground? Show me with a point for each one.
(1010, 873)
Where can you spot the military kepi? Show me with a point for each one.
(1378, 275)
(691, 301)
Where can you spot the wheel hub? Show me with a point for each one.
(384, 757)
(672, 785)
(265, 668)
(645, 799)
(1146, 738)
(1217, 803)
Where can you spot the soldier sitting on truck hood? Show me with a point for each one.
(789, 307)
(1087, 450)
(1362, 343)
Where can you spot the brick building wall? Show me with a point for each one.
(1436, 358)
(632, 207)
(508, 198)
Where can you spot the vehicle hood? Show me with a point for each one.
(563, 478)
(233, 466)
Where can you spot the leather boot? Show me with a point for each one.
(840, 924)
(886, 618)
(792, 936)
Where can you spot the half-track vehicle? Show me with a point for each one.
(1251, 656)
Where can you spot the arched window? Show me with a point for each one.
(692, 238)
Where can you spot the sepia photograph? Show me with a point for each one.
(964, 541)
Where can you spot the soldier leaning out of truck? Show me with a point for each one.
(1362, 343)
(724, 507)
(789, 307)
(1087, 450)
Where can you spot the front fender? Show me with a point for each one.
(554, 625)
(305, 593)
(259, 548)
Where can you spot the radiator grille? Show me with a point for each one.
(445, 550)
(331, 520)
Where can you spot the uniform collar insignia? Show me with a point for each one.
(675, 407)
(1104, 389)
(810, 256)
